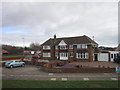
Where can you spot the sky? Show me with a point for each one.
(24, 23)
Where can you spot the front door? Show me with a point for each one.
(63, 56)
(95, 57)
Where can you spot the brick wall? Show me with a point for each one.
(80, 70)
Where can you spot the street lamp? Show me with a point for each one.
(23, 45)
(93, 37)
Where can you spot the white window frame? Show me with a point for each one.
(82, 55)
(46, 47)
(56, 47)
(70, 46)
(84, 46)
(66, 47)
(46, 54)
(64, 54)
(81, 46)
(56, 54)
(71, 54)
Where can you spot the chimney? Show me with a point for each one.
(54, 38)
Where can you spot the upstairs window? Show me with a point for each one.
(56, 47)
(81, 46)
(70, 46)
(84, 45)
(63, 47)
(46, 47)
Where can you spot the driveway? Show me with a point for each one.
(31, 72)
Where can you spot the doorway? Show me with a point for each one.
(95, 57)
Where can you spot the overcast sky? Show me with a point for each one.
(39, 21)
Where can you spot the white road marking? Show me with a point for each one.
(65, 79)
(50, 74)
(86, 79)
(11, 75)
(106, 74)
(114, 79)
(53, 79)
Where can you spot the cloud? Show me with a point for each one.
(41, 20)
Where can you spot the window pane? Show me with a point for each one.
(111, 55)
(46, 54)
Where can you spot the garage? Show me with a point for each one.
(101, 57)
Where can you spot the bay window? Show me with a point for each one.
(46, 54)
(82, 55)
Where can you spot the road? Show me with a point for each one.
(31, 72)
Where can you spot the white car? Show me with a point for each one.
(14, 63)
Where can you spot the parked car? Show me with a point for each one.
(36, 56)
(117, 59)
(14, 63)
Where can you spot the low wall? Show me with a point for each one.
(79, 70)
(11, 58)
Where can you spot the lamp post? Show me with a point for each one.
(23, 45)
(93, 37)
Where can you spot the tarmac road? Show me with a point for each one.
(31, 72)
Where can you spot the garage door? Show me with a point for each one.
(103, 57)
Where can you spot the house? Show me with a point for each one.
(69, 48)
(2, 51)
(105, 54)
(118, 47)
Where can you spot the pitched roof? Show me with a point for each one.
(118, 48)
(4, 51)
(70, 40)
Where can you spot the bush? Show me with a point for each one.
(117, 59)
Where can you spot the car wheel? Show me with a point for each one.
(11, 66)
(23, 65)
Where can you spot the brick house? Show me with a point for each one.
(69, 48)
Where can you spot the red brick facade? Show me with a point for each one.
(67, 53)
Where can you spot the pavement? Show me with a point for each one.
(32, 72)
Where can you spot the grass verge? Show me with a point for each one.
(58, 84)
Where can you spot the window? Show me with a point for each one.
(71, 54)
(111, 55)
(56, 47)
(82, 55)
(115, 55)
(70, 46)
(63, 47)
(56, 54)
(64, 54)
(46, 47)
(84, 46)
(81, 46)
(46, 54)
